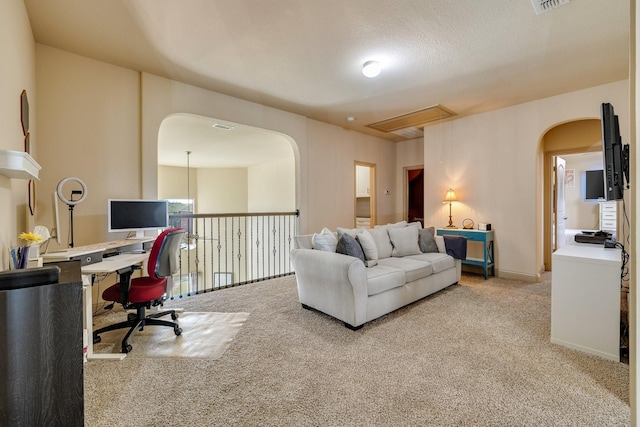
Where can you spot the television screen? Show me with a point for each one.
(616, 156)
(594, 184)
(137, 215)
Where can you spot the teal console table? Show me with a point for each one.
(483, 237)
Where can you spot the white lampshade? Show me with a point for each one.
(450, 196)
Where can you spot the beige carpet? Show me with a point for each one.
(475, 354)
(204, 336)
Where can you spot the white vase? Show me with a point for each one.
(34, 251)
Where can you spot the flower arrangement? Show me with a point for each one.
(30, 238)
(20, 255)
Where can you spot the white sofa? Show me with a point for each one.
(344, 287)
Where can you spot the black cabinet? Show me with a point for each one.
(41, 363)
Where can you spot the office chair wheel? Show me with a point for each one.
(126, 348)
(177, 331)
(174, 316)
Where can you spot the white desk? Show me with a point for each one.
(107, 265)
(585, 299)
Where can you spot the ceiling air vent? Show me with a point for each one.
(541, 6)
(222, 126)
(408, 125)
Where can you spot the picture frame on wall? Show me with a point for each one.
(570, 178)
(24, 112)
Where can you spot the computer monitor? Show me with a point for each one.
(137, 215)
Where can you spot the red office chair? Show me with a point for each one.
(143, 292)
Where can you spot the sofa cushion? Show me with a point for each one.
(350, 231)
(326, 240)
(382, 278)
(414, 269)
(439, 261)
(383, 243)
(404, 241)
(427, 240)
(348, 245)
(303, 241)
(368, 244)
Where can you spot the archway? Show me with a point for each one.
(242, 168)
(579, 136)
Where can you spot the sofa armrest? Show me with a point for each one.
(333, 283)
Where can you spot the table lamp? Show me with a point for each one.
(450, 197)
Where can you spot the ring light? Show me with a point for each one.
(70, 202)
(64, 199)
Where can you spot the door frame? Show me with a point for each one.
(372, 191)
(547, 239)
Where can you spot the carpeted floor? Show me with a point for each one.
(475, 354)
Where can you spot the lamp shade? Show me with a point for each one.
(450, 196)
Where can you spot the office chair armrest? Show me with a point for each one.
(125, 283)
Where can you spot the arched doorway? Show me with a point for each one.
(231, 167)
(580, 136)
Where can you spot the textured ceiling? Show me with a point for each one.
(305, 56)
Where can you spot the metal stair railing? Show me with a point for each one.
(223, 250)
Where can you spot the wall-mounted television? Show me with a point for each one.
(616, 155)
(137, 215)
(594, 184)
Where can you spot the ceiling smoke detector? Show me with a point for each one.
(541, 6)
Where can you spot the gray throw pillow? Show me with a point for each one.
(348, 245)
(404, 241)
(427, 240)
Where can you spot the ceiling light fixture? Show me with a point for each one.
(371, 69)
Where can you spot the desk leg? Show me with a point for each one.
(88, 323)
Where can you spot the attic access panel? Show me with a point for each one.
(415, 119)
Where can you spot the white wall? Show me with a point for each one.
(324, 154)
(222, 190)
(89, 126)
(17, 73)
(100, 123)
(174, 184)
(271, 187)
(492, 162)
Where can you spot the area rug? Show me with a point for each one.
(204, 336)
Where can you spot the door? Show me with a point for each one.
(414, 195)
(559, 212)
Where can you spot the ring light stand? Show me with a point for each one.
(70, 201)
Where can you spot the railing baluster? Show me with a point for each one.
(225, 250)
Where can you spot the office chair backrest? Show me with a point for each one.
(165, 253)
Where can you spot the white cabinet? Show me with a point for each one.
(585, 299)
(608, 215)
(362, 181)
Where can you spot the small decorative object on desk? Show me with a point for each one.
(20, 255)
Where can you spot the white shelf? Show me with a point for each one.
(18, 164)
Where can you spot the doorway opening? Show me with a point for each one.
(365, 194)
(414, 194)
(564, 140)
